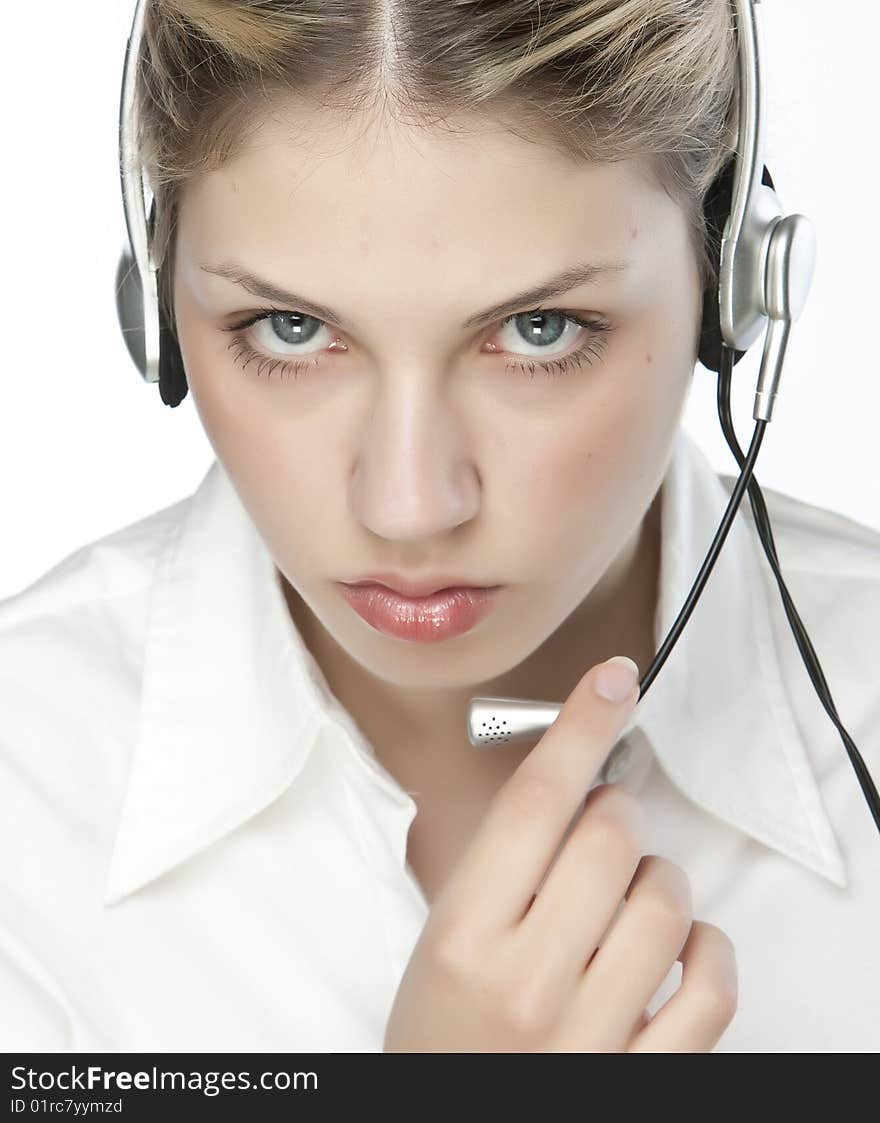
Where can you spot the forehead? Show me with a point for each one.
(315, 190)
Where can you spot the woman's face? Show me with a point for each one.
(421, 436)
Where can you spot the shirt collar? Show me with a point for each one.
(233, 701)
(719, 716)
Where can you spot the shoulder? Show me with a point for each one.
(79, 626)
(89, 605)
(117, 565)
(830, 566)
(811, 539)
(71, 654)
(89, 608)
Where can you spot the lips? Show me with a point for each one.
(418, 588)
(427, 619)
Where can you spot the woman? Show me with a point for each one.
(436, 272)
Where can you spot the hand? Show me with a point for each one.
(533, 947)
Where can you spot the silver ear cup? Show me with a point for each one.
(791, 261)
(130, 309)
(501, 721)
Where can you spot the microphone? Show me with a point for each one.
(497, 721)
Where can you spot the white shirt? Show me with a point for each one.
(200, 850)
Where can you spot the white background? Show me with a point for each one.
(86, 446)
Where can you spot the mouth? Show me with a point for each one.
(422, 587)
(429, 618)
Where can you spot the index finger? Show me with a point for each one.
(506, 860)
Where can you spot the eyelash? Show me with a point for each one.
(552, 368)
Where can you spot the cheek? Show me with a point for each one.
(279, 467)
(591, 475)
(286, 488)
(243, 415)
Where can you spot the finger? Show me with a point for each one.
(695, 1017)
(583, 889)
(644, 940)
(644, 937)
(498, 875)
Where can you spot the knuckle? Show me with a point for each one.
(664, 911)
(616, 819)
(613, 841)
(617, 798)
(663, 892)
(716, 998)
(710, 976)
(722, 942)
(724, 955)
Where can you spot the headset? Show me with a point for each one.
(766, 265)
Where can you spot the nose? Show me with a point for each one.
(413, 476)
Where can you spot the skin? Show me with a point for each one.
(411, 447)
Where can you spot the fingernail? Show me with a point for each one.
(616, 679)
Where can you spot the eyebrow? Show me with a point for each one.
(581, 273)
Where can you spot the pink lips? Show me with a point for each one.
(427, 619)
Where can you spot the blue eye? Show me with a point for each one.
(291, 327)
(296, 328)
(534, 324)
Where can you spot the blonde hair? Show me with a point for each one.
(598, 80)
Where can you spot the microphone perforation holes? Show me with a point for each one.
(498, 732)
